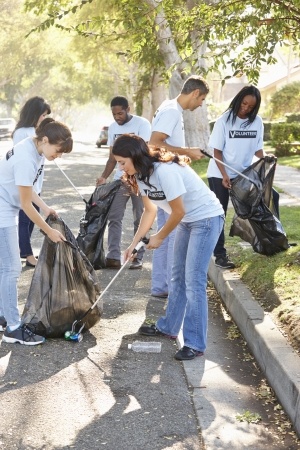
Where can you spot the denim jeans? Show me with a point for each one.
(187, 302)
(222, 194)
(115, 218)
(162, 258)
(25, 231)
(10, 270)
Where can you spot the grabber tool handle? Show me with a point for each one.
(140, 244)
(206, 153)
(226, 165)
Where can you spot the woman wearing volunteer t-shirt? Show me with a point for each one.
(166, 180)
(236, 138)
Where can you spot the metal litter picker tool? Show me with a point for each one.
(64, 173)
(226, 165)
(76, 336)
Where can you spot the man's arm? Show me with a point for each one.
(109, 167)
(158, 139)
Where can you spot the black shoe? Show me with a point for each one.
(28, 264)
(3, 323)
(151, 330)
(187, 353)
(136, 264)
(224, 262)
(112, 263)
(162, 295)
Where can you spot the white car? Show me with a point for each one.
(7, 126)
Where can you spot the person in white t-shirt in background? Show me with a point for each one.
(31, 115)
(124, 123)
(168, 132)
(236, 138)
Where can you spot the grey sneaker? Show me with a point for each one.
(136, 264)
(224, 262)
(3, 323)
(22, 335)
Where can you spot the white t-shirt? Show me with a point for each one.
(237, 142)
(19, 135)
(138, 126)
(168, 120)
(23, 133)
(170, 181)
(21, 166)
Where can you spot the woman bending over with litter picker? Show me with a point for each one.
(165, 180)
(19, 171)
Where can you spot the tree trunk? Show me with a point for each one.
(196, 122)
(159, 93)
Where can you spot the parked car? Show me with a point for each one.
(7, 126)
(103, 136)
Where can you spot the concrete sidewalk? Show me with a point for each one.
(276, 358)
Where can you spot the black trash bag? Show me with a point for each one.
(63, 287)
(93, 223)
(256, 219)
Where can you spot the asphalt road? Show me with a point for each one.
(98, 394)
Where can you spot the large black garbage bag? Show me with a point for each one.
(256, 219)
(93, 223)
(63, 287)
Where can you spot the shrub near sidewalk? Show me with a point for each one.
(273, 280)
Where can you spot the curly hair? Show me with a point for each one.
(143, 158)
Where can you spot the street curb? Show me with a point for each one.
(276, 358)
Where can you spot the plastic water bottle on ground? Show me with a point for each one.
(145, 347)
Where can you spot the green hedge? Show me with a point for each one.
(282, 135)
(267, 131)
(293, 117)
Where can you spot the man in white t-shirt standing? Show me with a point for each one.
(124, 123)
(168, 132)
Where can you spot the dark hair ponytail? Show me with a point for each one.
(57, 134)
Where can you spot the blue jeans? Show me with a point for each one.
(162, 258)
(187, 302)
(10, 270)
(25, 231)
(115, 219)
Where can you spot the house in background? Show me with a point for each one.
(272, 78)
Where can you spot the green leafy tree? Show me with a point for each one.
(240, 33)
(175, 37)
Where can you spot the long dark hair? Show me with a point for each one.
(143, 157)
(236, 102)
(57, 134)
(31, 112)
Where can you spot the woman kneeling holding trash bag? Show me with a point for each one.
(19, 171)
(165, 180)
